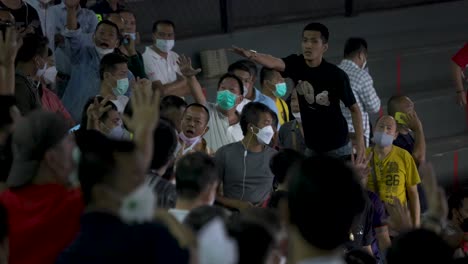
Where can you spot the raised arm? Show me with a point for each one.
(73, 32)
(190, 73)
(419, 151)
(457, 74)
(9, 46)
(263, 59)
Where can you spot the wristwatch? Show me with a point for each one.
(253, 54)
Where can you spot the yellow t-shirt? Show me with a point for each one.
(395, 174)
(283, 111)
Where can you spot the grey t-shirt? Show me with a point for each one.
(258, 176)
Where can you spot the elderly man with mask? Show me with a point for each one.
(244, 166)
(85, 58)
(194, 126)
(43, 210)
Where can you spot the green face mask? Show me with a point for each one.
(122, 87)
(226, 100)
(281, 89)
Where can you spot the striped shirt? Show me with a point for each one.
(365, 94)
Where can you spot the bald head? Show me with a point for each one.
(400, 103)
(386, 124)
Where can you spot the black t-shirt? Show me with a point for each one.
(25, 16)
(325, 128)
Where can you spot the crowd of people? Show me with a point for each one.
(104, 160)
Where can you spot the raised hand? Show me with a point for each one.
(129, 46)
(436, 199)
(95, 111)
(362, 167)
(413, 121)
(399, 216)
(461, 98)
(185, 65)
(241, 52)
(9, 46)
(71, 3)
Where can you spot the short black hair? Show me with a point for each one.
(33, 45)
(419, 246)
(282, 161)
(252, 67)
(455, 201)
(165, 144)
(84, 113)
(251, 115)
(195, 172)
(354, 46)
(309, 185)
(200, 216)
(109, 62)
(163, 22)
(240, 66)
(266, 74)
(97, 163)
(170, 102)
(109, 23)
(392, 104)
(200, 106)
(324, 33)
(230, 75)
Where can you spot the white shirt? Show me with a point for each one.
(220, 132)
(242, 104)
(160, 69)
(179, 214)
(120, 103)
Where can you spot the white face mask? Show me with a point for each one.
(165, 45)
(132, 35)
(265, 135)
(297, 116)
(102, 52)
(50, 75)
(40, 72)
(246, 91)
(138, 206)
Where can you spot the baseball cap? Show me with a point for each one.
(34, 135)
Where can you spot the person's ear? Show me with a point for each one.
(325, 47)
(206, 130)
(396, 135)
(239, 99)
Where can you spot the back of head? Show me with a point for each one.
(162, 22)
(252, 67)
(393, 104)
(320, 28)
(266, 74)
(282, 161)
(109, 62)
(455, 202)
(251, 115)
(170, 106)
(165, 143)
(419, 246)
(195, 173)
(33, 45)
(354, 46)
(97, 162)
(34, 135)
(240, 66)
(200, 216)
(254, 240)
(312, 180)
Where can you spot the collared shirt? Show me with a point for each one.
(260, 98)
(283, 111)
(221, 132)
(160, 69)
(55, 24)
(85, 80)
(365, 94)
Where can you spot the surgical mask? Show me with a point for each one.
(265, 135)
(118, 133)
(122, 87)
(297, 116)
(364, 65)
(246, 91)
(382, 139)
(73, 177)
(102, 52)
(226, 100)
(281, 89)
(188, 141)
(165, 45)
(132, 35)
(40, 72)
(50, 75)
(138, 206)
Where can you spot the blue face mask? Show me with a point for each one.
(281, 89)
(122, 87)
(382, 139)
(226, 100)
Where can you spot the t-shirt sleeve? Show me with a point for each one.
(461, 57)
(347, 95)
(290, 66)
(412, 174)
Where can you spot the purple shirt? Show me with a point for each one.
(378, 220)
